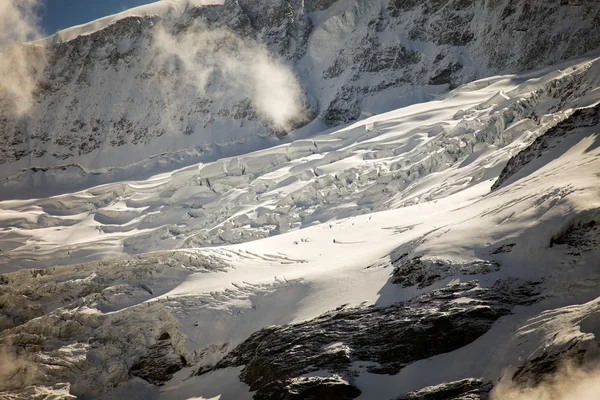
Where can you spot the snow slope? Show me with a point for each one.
(170, 286)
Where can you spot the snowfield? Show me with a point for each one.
(448, 249)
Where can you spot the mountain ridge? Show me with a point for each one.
(379, 56)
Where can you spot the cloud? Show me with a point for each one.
(222, 65)
(21, 65)
(569, 383)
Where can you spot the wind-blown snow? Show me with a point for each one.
(21, 66)
(245, 66)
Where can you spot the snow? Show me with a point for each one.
(310, 225)
(403, 160)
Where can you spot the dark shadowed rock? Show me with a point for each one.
(505, 248)
(388, 337)
(582, 235)
(160, 362)
(422, 272)
(535, 370)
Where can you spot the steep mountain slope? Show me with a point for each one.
(142, 86)
(440, 249)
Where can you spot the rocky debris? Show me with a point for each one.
(465, 389)
(422, 272)
(388, 337)
(313, 388)
(581, 118)
(160, 362)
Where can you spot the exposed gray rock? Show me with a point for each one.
(535, 370)
(505, 248)
(582, 234)
(447, 75)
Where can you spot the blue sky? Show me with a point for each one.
(60, 14)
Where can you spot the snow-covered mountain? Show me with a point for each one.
(442, 243)
(196, 82)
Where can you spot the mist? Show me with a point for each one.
(568, 383)
(225, 65)
(21, 65)
(15, 372)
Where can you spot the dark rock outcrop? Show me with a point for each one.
(388, 338)
(505, 248)
(583, 235)
(534, 371)
(425, 272)
(159, 364)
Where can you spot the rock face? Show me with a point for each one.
(160, 362)
(422, 272)
(581, 234)
(466, 389)
(569, 351)
(386, 339)
(141, 87)
(316, 388)
(109, 286)
(535, 370)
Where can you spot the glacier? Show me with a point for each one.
(422, 222)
